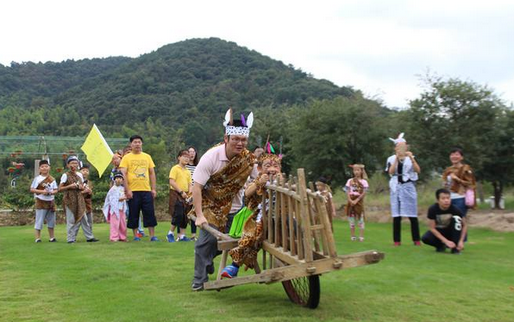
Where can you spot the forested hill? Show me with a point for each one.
(180, 89)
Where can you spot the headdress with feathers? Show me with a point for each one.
(269, 153)
(231, 129)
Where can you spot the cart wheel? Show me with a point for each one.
(304, 291)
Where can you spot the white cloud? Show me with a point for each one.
(375, 46)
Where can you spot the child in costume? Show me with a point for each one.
(114, 209)
(356, 188)
(180, 187)
(72, 185)
(88, 194)
(325, 191)
(269, 167)
(44, 188)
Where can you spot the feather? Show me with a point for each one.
(243, 119)
(227, 118)
(249, 122)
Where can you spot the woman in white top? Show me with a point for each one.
(404, 170)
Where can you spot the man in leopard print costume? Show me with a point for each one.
(218, 190)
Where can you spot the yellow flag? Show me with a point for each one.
(97, 151)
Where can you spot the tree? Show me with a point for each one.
(455, 113)
(329, 135)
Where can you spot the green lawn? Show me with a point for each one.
(151, 282)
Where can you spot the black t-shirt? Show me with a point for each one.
(442, 217)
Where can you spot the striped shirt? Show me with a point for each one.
(191, 169)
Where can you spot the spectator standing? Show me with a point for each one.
(44, 188)
(403, 169)
(138, 171)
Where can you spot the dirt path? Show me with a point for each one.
(498, 220)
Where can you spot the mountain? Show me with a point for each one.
(180, 89)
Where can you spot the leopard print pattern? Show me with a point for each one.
(250, 243)
(251, 240)
(222, 186)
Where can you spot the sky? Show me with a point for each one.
(383, 48)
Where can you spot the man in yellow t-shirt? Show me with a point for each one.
(180, 185)
(139, 174)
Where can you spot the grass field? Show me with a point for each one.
(151, 282)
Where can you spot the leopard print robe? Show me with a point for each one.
(251, 240)
(222, 186)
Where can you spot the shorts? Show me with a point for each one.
(141, 201)
(178, 217)
(43, 215)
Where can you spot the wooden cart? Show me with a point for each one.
(299, 244)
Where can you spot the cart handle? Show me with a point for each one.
(211, 230)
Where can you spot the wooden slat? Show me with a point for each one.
(322, 210)
(279, 253)
(311, 215)
(306, 226)
(227, 244)
(285, 273)
(290, 213)
(299, 231)
(317, 204)
(223, 263)
(317, 227)
(267, 211)
(285, 191)
(283, 216)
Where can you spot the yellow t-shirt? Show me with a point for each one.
(182, 177)
(138, 173)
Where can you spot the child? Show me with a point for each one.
(88, 195)
(180, 186)
(44, 188)
(269, 167)
(116, 159)
(356, 188)
(114, 209)
(325, 191)
(72, 185)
